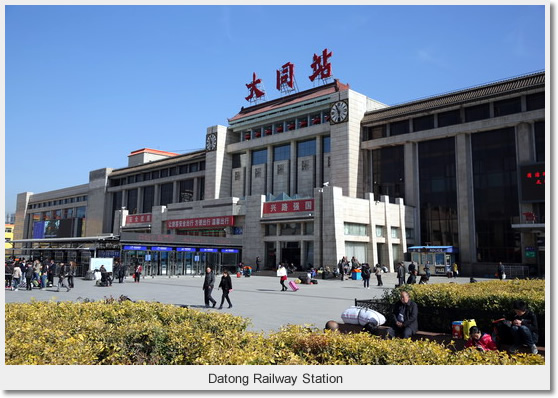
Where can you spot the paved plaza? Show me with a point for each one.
(258, 298)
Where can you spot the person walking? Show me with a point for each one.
(16, 276)
(8, 278)
(501, 271)
(207, 288)
(378, 273)
(72, 273)
(226, 286)
(121, 273)
(282, 274)
(63, 272)
(50, 273)
(455, 270)
(44, 276)
(258, 264)
(365, 273)
(29, 271)
(137, 273)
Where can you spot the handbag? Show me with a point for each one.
(504, 275)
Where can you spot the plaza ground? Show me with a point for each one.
(258, 298)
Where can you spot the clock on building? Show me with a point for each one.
(211, 142)
(339, 112)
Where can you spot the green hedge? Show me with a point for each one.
(493, 296)
(99, 333)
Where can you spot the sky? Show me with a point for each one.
(87, 85)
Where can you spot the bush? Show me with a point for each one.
(98, 333)
(494, 296)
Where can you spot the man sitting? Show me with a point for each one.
(404, 318)
(524, 327)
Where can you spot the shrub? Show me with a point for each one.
(98, 333)
(496, 296)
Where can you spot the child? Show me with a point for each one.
(481, 341)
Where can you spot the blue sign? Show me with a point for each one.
(229, 250)
(185, 249)
(204, 250)
(161, 248)
(134, 248)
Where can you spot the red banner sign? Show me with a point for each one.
(288, 206)
(204, 222)
(138, 218)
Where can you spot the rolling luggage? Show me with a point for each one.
(293, 286)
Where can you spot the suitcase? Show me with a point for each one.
(314, 281)
(293, 286)
(238, 274)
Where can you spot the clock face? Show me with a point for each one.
(339, 112)
(211, 142)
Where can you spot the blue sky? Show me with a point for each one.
(87, 85)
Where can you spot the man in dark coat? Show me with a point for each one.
(524, 327)
(226, 285)
(401, 274)
(208, 284)
(404, 318)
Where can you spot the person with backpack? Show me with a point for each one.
(365, 273)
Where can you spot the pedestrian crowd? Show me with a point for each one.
(30, 274)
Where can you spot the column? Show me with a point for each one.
(465, 200)
(293, 169)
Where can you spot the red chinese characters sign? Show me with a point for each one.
(320, 66)
(204, 222)
(285, 76)
(138, 218)
(288, 206)
(254, 90)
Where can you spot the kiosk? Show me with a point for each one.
(438, 256)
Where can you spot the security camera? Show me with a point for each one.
(326, 184)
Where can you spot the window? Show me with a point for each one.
(409, 233)
(306, 148)
(139, 178)
(173, 171)
(146, 176)
(164, 173)
(423, 123)
(186, 193)
(194, 167)
(80, 212)
(398, 128)
(148, 199)
(282, 152)
(309, 228)
(155, 174)
(477, 112)
(291, 229)
(326, 144)
(395, 232)
(535, 101)
(184, 169)
(131, 179)
(259, 157)
(449, 118)
(372, 133)
(379, 231)
(270, 230)
(236, 161)
(166, 194)
(355, 229)
(539, 141)
(132, 202)
(507, 106)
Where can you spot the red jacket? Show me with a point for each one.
(485, 343)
